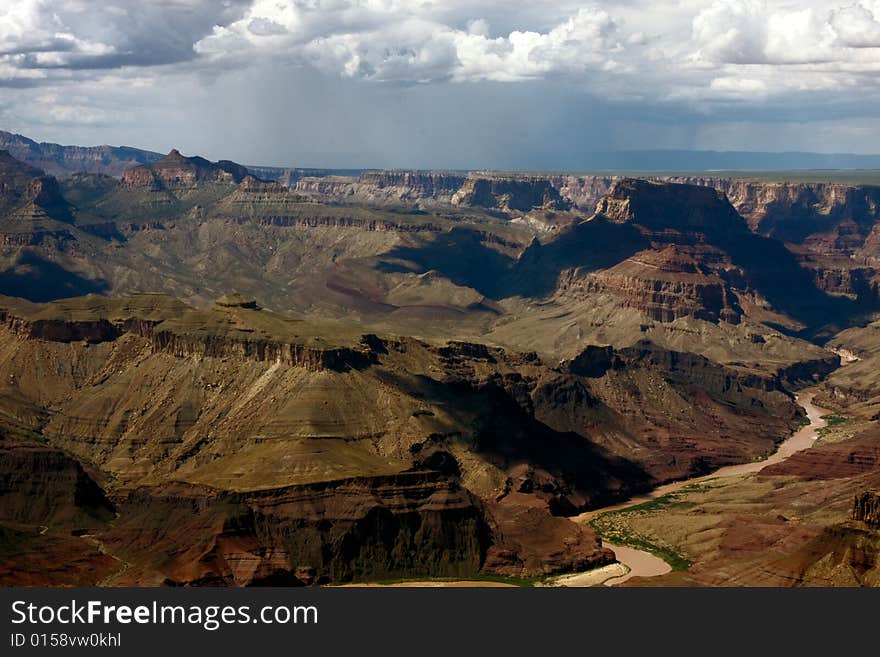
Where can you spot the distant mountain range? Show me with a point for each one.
(59, 160)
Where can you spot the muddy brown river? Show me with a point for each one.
(645, 564)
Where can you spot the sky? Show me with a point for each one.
(444, 83)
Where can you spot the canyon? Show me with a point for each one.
(214, 374)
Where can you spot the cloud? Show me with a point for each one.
(857, 26)
(689, 58)
(58, 35)
(402, 42)
(738, 85)
(750, 32)
(587, 41)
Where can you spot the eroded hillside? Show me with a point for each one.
(209, 377)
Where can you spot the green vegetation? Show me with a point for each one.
(833, 421)
(612, 526)
(621, 535)
(24, 434)
(480, 577)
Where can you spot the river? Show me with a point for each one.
(645, 564)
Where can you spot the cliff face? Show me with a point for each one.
(690, 381)
(18, 182)
(47, 503)
(330, 187)
(27, 195)
(416, 185)
(828, 218)
(866, 508)
(183, 342)
(364, 529)
(584, 192)
(518, 193)
(687, 271)
(670, 206)
(514, 193)
(354, 530)
(836, 227)
(840, 216)
(792, 211)
(665, 286)
(384, 186)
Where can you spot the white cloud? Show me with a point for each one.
(857, 26)
(26, 24)
(749, 32)
(400, 41)
(81, 35)
(696, 53)
(588, 40)
(33, 35)
(738, 85)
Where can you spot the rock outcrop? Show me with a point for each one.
(16, 179)
(174, 171)
(866, 508)
(384, 187)
(665, 285)
(45, 193)
(670, 207)
(415, 185)
(511, 193)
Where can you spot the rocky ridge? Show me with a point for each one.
(176, 171)
(66, 160)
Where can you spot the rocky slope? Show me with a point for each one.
(416, 360)
(249, 447)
